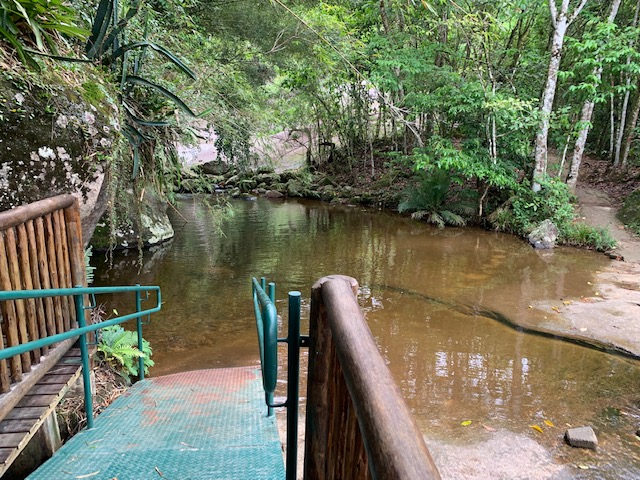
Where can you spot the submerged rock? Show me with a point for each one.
(582, 437)
(544, 235)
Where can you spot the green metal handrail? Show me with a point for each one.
(267, 327)
(81, 331)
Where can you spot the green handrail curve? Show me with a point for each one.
(81, 331)
(267, 327)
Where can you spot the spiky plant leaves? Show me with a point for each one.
(134, 79)
(158, 48)
(101, 25)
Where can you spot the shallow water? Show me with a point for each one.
(420, 287)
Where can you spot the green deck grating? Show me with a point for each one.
(205, 424)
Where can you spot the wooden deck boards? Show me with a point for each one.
(21, 424)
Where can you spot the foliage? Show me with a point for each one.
(630, 212)
(111, 44)
(118, 348)
(37, 23)
(527, 209)
(431, 199)
(580, 234)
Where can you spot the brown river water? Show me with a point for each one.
(431, 298)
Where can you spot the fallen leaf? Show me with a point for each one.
(466, 423)
(567, 302)
(537, 428)
(89, 474)
(588, 283)
(555, 309)
(491, 429)
(583, 467)
(583, 329)
(115, 312)
(597, 293)
(549, 423)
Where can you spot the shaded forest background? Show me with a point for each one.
(491, 104)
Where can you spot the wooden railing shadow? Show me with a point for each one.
(358, 425)
(40, 248)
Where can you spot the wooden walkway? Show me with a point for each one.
(205, 424)
(22, 423)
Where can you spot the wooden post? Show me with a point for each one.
(349, 379)
(10, 323)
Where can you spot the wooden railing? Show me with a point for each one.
(40, 247)
(358, 425)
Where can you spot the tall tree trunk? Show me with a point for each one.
(625, 102)
(585, 118)
(561, 22)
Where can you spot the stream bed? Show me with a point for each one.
(492, 401)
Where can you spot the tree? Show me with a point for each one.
(560, 19)
(587, 110)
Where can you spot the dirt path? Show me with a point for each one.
(611, 316)
(598, 210)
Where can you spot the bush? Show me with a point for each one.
(629, 214)
(582, 235)
(432, 199)
(527, 209)
(554, 202)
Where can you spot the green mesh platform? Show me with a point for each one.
(205, 424)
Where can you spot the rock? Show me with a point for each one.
(581, 437)
(294, 188)
(215, 167)
(57, 139)
(148, 224)
(247, 185)
(268, 178)
(273, 194)
(544, 235)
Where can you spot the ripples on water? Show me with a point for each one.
(451, 366)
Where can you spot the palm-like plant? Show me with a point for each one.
(39, 24)
(431, 199)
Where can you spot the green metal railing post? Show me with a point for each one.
(139, 329)
(84, 352)
(266, 323)
(293, 387)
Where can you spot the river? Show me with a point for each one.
(420, 287)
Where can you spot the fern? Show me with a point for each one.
(431, 200)
(118, 348)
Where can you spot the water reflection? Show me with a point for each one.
(452, 366)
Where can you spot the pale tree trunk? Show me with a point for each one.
(585, 118)
(561, 22)
(625, 102)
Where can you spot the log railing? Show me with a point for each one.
(358, 425)
(40, 248)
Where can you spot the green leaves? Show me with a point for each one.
(37, 23)
(119, 349)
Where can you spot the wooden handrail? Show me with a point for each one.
(40, 247)
(358, 424)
